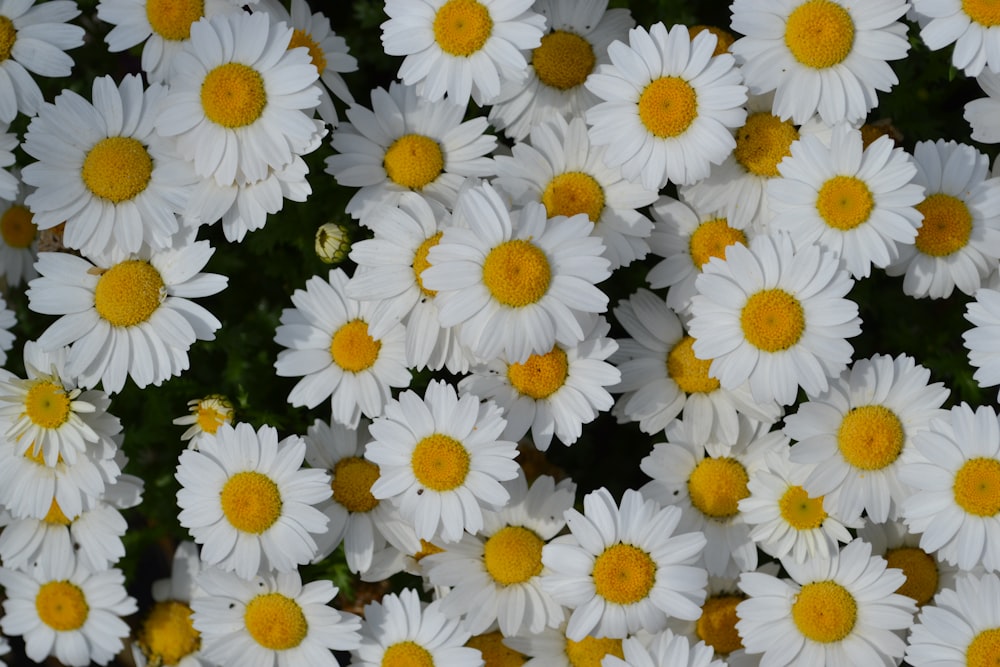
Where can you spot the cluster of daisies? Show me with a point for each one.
(803, 506)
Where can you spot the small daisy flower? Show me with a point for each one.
(664, 648)
(832, 611)
(962, 627)
(205, 415)
(774, 317)
(668, 106)
(623, 569)
(461, 48)
(18, 241)
(971, 25)
(926, 574)
(441, 460)
(552, 648)
(405, 143)
(244, 498)
(958, 244)
(982, 340)
(821, 56)
(273, 619)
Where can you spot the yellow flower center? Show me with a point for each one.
(772, 320)
(590, 651)
(517, 273)
(800, 511)
(711, 238)
(921, 573)
(167, 634)
(564, 60)
(233, 95)
(572, 193)
(984, 12)
(624, 574)
(495, 653)
(212, 412)
(275, 621)
(716, 486)
(440, 462)
(407, 654)
(251, 501)
(47, 404)
(947, 225)
(172, 19)
(688, 371)
(352, 483)
(668, 106)
(824, 611)
(8, 35)
(977, 487)
(724, 38)
(513, 555)
(420, 262)
(413, 161)
(984, 649)
(763, 142)
(17, 227)
(844, 202)
(352, 348)
(129, 293)
(55, 516)
(819, 33)
(870, 437)
(541, 375)
(717, 624)
(117, 169)
(426, 549)
(461, 27)
(302, 38)
(62, 606)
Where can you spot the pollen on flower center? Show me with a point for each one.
(55, 516)
(819, 33)
(233, 95)
(800, 510)
(172, 19)
(275, 621)
(624, 574)
(688, 371)
(461, 27)
(870, 437)
(62, 606)
(983, 649)
(413, 161)
(763, 142)
(984, 12)
(844, 202)
(772, 320)
(407, 654)
(512, 555)
(541, 375)
(495, 653)
(572, 193)
(440, 462)
(251, 501)
(168, 634)
(589, 651)
(352, 483)
(8, 35)
(717, 485)
(420, 262)
(977, 486)
(564, 60)
(921, 573)
(947, 225)
(717, 624)
(711, 239)
(302, 38)
(824, 611)
(517, 273)
(117, 169)
(352, 348)
(668, 106)
(129, 293)
(17, 227)
(47, 404)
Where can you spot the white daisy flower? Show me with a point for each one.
(552, 648)
(624, 569)
(971, 25)
(561, 170)
(405, 143)
(517, 282)
(461, 48)
(273, 619)
(840, 610)
(332, 347)
(774, 317)
(821, 56)
(441, 460)
(981, 114)
(664, 648)
(18, 241)
(205, 415)
(962, 627)
(982, 340)
(576, 40)
(244, 498)
(9, 182)
(958, 244)
(125, 316)
(669, 106)
(7, 322)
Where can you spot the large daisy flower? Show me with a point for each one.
(461, 48)
(828, 56)
(970, 25)
(962, 627)
(669, 106)
(983, 339)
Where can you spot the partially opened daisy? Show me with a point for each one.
(982, 340)
(825, 56)
(961, 627)
(668, 106)
(461, 48)
(18, 241)
(970, 25)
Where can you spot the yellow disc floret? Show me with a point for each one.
(541, 375)
(517, 273)
(8, 35)
(590, 651)
(129, 293)
(819, 33)
(844, 202)
(977, 486)
(168, 634)
(921, 572)
(233, 95)
(461, 27)
(420, 262)
(251, 501)
(824, 611)
(624, 574)
(574, 192)
(717, 485)
(564, 60)
(17, 226)
(772, 320)
(275, 621)
(352, 483)
(495, 653)
(440, 462)
(413, 161)
(668, 106)
(172, 19)
(688, 371)
(47, 404)
(717, 624)
(711, 239)
(62, 606)
(984, 12)
(55, 516)
(763, 142)
(983, 649)
(353, 349)
(870, 437)
(800, 510)
(303, 38)
(117, 169)
(512, 555)
(947, 225)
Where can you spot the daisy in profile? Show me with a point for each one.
(244, 498)
(576, 40)
(775, 317)
(461, 48)
(958, 244)
(552, 648)
(962, 627)
(125, 315)
(330, 345)
(822, 56)
(926, 574)
(517, 282)
(622, 569)
(405, 143)
(274, 619)
(668, 107)
(205, 415)
(663, 648)
(18, 241)
(441, 460)
(970, 26)
(982, 340)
